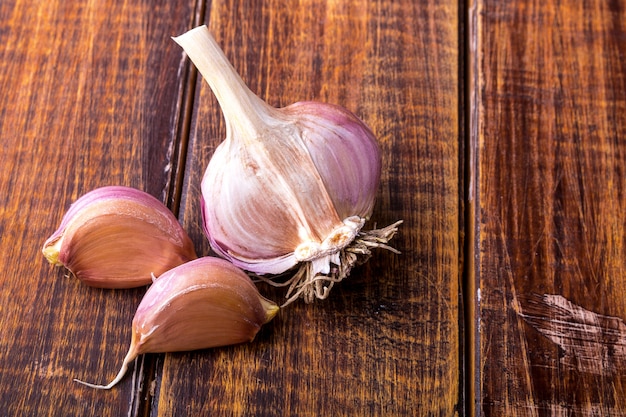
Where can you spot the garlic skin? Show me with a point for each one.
(259, 195)
(117, 237)
(207, 302)
(287, 186)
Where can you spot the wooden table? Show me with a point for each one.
(503, 131)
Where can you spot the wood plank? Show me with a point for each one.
(386, 342)
(90, 97)
(550, 97)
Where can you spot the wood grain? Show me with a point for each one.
(90, 97)
(96, 93)
(386, 342)
(550, 115)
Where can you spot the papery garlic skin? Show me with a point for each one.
(270, 197)
(289, 185)
(117, 237)
(204, 303)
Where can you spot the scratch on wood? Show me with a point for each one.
(591, 342)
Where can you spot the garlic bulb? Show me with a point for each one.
(204, 303)
(117, 237)
(288, 186)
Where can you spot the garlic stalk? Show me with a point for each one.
(117, 237)
(288, 186)
(207, 302)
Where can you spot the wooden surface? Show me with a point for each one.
(503, 130)
(549, 114)
(378, 345)
(90, 95)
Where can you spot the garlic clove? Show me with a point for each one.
(117, 237)
(288, 186)
(345, 153)
(204, 303)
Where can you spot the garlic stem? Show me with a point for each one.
(239, 105)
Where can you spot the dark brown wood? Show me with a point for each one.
(96, 93)
(386, 342)
(90, 97)
(549, 112)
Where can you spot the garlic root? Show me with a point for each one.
(307, 284)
